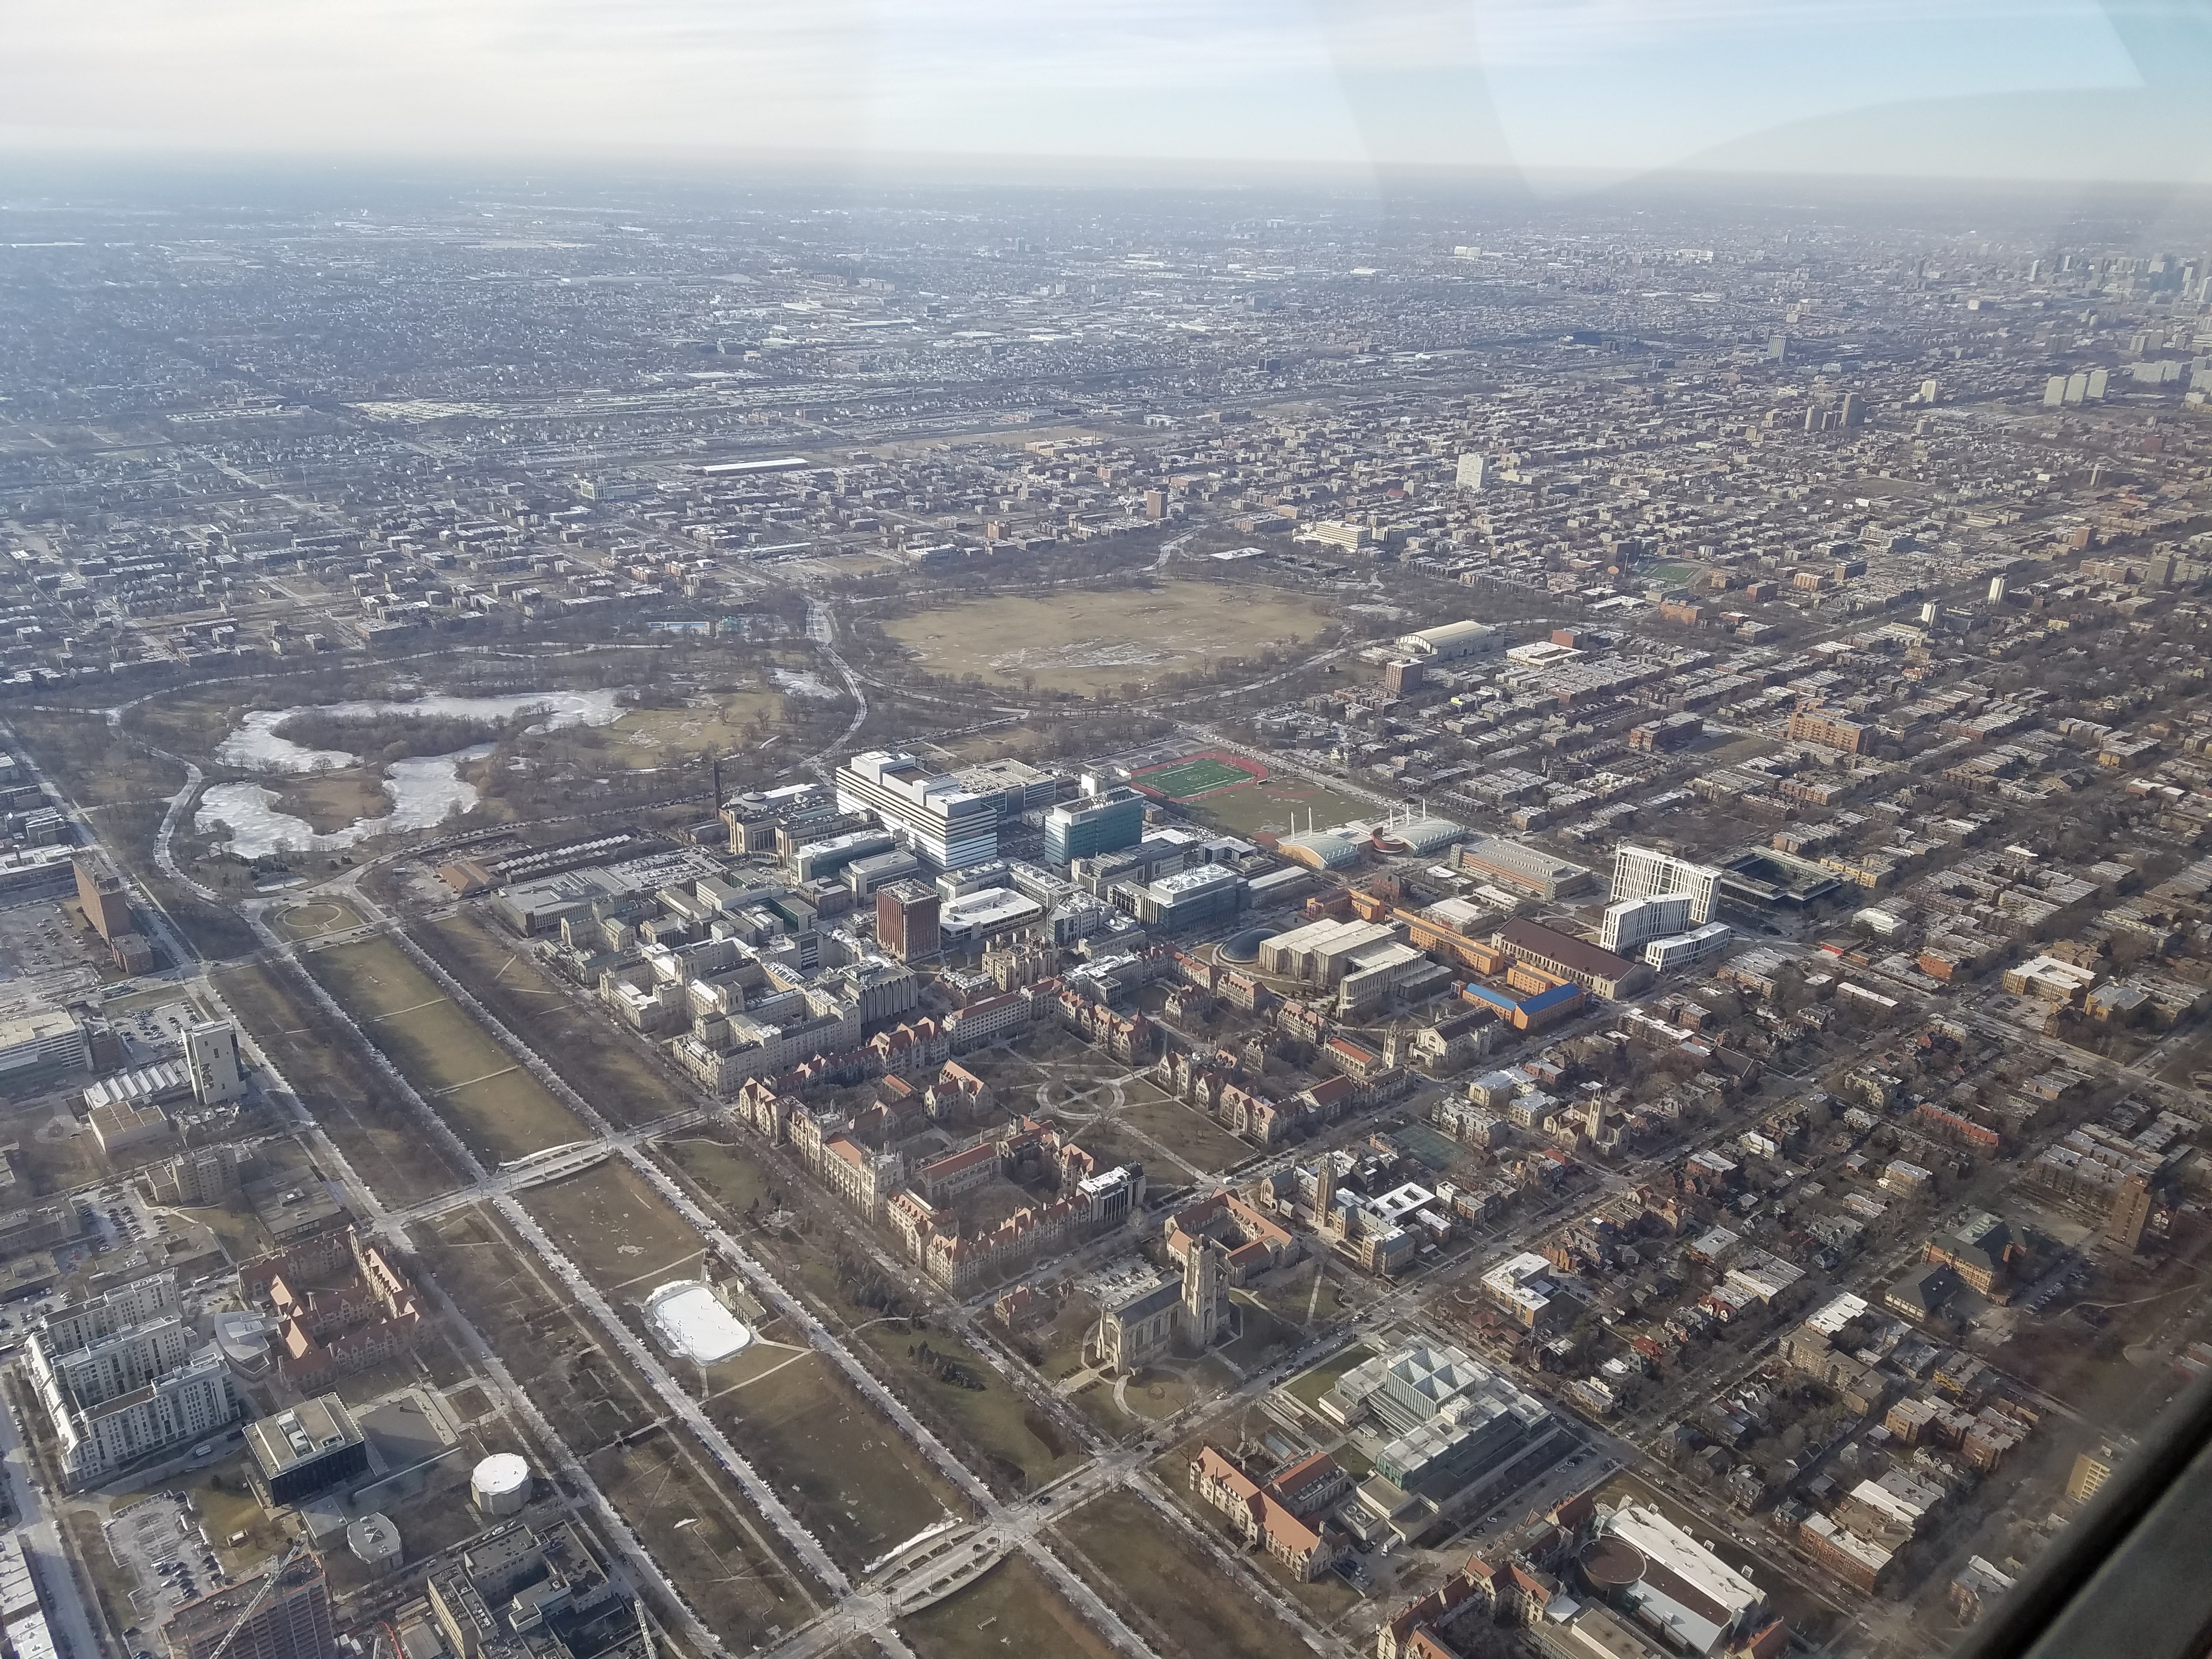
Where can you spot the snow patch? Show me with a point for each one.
(255, 745)
(800, 684)
(425, 792)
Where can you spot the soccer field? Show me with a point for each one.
(1184, 779)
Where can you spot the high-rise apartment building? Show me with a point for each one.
(287, 1619)
(1104, 822)
(2090, 1470)
(1631, 923)
(1469, 474)
(211, 1058)
(107, 902)
(1642, 873)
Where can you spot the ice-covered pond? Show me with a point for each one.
(425, 790)
(255, 747)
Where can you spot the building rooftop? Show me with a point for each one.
(206, 1618)
(300, 1433)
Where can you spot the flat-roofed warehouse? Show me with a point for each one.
(1452, 641)
(1529, 869)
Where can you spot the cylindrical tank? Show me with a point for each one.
(501, 1485)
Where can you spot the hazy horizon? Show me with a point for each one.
(1565, 94)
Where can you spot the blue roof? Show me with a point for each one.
(1532, 1004)
(1550, 999)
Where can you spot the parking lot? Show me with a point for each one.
(158, 1541)
(43, 954)
(154, 1033)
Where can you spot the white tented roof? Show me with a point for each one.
(692, 1323)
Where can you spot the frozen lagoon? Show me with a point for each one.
(425, 790)
(255, 746)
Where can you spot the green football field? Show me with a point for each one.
(1184, 779)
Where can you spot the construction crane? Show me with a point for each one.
(268, 1582)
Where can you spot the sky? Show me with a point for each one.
(2117, 90)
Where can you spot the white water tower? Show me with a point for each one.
(500, 1485)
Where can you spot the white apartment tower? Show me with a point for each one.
(1630, 922)
(211, 1057)
(1642, 873)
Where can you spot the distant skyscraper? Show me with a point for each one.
(1852, 411)
(1778, 349)
(1999, 588)
(2054, 391)
(1469, 476)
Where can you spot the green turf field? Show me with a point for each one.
(1184, 779)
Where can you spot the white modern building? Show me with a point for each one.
(1644, 872)
(122, 1377)
(1679, 950)
(1452, 641)
(211, 1056)
(933, 816)
(1669, 1582)
(986, 913)
(1469, 473)
(39, 1045)
(1628, 922)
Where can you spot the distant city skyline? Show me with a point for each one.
(2009, 88)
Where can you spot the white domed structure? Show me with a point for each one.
(375, 1541)
(501, 1485)
(695, 1324)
